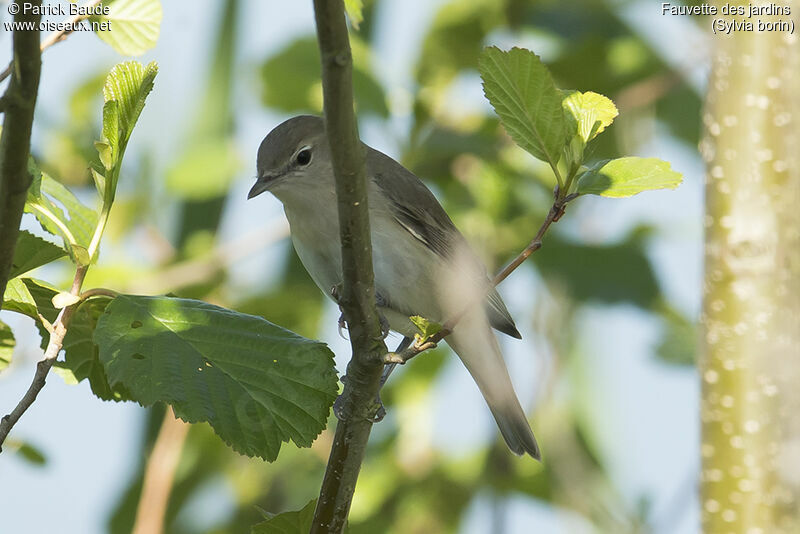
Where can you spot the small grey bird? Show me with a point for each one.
(423, 265)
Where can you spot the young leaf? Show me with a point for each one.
(585, 110)
(523, 94)
(625, 177)
(64, 299)
(297, 522)
(7, 344)
(125, 91)
(133, 26)
(426, 328)
(255, 383)
(32, 252)
(354, 10)
(76, 226)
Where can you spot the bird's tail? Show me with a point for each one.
(477, 347)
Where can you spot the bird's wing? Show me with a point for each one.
(416, 209)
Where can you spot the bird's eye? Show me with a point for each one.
(303, 157)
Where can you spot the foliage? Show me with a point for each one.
(133, 25)
(495, 193)
(255, 383)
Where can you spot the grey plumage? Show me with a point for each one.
(423, 265)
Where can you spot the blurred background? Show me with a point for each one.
(607, 308)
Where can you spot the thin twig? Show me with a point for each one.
(419, 346)
(357, 403)
(58, 36)
(59, 331)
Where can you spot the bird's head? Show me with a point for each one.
(294, 160)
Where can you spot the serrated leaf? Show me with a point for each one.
(31, 252)
(355, 11)
(254, 382)
(588, 113)
(18, 299)
(297, 522)
(7, 344)
(80, 352)
(625, 177)
(82, 355)
(204, 171)
(79, 221)
(133, 27)
(125, 92)
(426, 328)
(523, 95)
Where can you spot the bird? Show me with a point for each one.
(423, 265)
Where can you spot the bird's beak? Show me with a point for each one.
(261, 185)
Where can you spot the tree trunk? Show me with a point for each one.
(750, 366)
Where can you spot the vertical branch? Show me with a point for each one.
(159, 475)
(751, 311)
(19, 102)
(357, 298)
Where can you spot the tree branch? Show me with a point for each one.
(159, 475)
(57, 334)
(358, 293)
(15, 140)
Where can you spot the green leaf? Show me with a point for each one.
(76, 226)
(302, 91)
(523, 94)
(205, 171)
(82, 355)
(125, 92)
(625, 177)
(18, 298)
(133, 25)
(426, 328)
(297, 522)
(355, 12)
(584, 110)
(255, 383)
(7, 344)
(81, 359)
(32, 252)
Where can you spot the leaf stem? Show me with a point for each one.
(55, 220)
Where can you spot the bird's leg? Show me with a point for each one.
(380, 302)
